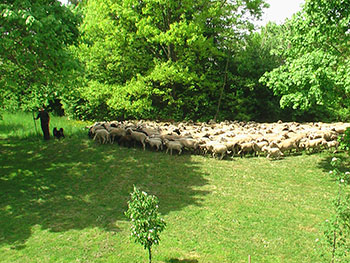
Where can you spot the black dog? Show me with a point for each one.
(58, 133)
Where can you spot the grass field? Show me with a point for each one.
(64, 201)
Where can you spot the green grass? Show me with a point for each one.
(64, 201)
(22, 126)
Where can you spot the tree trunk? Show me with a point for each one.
(150, 254)
(222, 90)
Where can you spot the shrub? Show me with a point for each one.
(146, 221)
(345, 140)
(337, 227)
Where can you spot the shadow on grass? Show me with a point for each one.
(77, 184)
(175, 260)
(326, 166)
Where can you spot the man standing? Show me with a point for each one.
(44, 119)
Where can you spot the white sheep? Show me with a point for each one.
(331, 144)
(189, 143)
(312, 145)
(260, 145)
(116, 133)
(288, 145)
(248, 147)
(218, 148)
(137, 136)
(173, 145)
(155, 142)
(273, 152)
(102, 136)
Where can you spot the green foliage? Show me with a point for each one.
(161, 59)
(145, 218)
(337, 228)
(36, 64)
(315, 49)
(249, 97)
(345, 140)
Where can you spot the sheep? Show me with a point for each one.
(189, 143)
(116, 133)
(218, 148)
(330, 136)
(260, 145)
(170, 137)
(102, 136)
(206, 145)
(154, 142)
(173, 145)
(137, 136)
(248, 147)
(287, 145)
(233, 134)
(331, 144)
(150, 131)
(232, 145)
(297, 138)
(272, 152)
(312, 145)
(97, 126)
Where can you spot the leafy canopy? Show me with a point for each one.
(316, 49)
(35, 61)
(161, 59)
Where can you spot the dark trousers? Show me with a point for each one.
(46, 130)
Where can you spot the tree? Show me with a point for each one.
(255, 101)
(161, 59)
(34, 56)
(146, 221)
(315, 72)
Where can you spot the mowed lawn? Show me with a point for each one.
(64, 201)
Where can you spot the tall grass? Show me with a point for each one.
(64, 201)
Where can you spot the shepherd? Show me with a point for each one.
(45, 120)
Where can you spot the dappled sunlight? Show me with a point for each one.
(77, 184)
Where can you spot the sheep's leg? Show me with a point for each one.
(222, 156)
(180, 151)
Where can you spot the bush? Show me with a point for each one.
(146, 221)
(345, 140)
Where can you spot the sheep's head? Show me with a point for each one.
(128, 131)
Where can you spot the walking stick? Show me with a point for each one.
(36, 131)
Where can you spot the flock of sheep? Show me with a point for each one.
(228, 138)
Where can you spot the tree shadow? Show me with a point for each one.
(76, 184)
(344, 166)
(175, 260)
(325, 163)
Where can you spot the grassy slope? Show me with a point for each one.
(63, 201)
